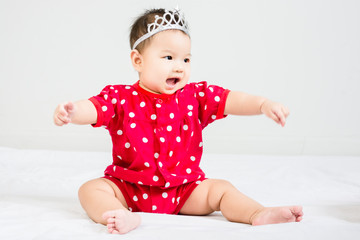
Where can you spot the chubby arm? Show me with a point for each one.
(81, 112)
(239, 103)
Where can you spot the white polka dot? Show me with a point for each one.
(134, 93)
(112, 88)
(156, 155)
(185, 127)
(119, 157)
(178, 164)
(114, 101)
(145, 140)
(213, 117)
(171, 153)
(169, 128)
(114, 168)
(217, 99)
(201, 144)
(188, 170)
(105, 96)
(190, 114)
(178, 199)
(198, 182)
(160, 164)
(201, 94)
(146, 164)
(131, 114)
(211, 89)
(133, 125)
(123, 101)
(127, 87)
(156, 178)
(205, 107)
(185, 181)
(167, 185)
(145, 196)
(173, 200)
(164, 195)
(127, 145)
(172, 115)
(178, 139)
(104, 108)
(190, 107)
(158, 105)
(154, 207)
(142, 104)
(162, 139)
(192, 158)
(119, 132)
(135, 198)
(153, 116)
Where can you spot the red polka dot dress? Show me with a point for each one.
(157, 141)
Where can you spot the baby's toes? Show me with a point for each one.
(111, 227)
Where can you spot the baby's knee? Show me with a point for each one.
(84, 189)
(218, 188)
(89, 187)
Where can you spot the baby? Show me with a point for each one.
(156, 128)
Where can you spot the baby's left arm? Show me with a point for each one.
(239, 103)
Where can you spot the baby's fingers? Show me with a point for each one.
(281, 118)
(60, 120)
(61, 115)
(282, 114)
(286, 111)
(274, 117)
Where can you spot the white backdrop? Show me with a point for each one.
(305, 54)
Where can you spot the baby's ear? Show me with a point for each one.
(136, 59)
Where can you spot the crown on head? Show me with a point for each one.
(171, 19)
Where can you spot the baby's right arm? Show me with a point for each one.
(82, 112)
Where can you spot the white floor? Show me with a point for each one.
(38, 197)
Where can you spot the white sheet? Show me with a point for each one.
(38, 197)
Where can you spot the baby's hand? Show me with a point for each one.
(275, 111)
(63, 113)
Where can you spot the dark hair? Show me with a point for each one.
(139, 27)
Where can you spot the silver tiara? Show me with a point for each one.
(172, 19)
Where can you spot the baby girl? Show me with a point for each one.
(156, 128)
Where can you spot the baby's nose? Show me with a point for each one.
(178, 67)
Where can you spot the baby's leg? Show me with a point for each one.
(219, 195)
(104, 203)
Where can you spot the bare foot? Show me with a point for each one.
(277, 215)
(121, 221)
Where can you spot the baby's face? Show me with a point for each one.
(166, 62)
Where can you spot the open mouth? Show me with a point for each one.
(172, 81)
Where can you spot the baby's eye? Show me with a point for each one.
(187, 60)
(168, 57)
